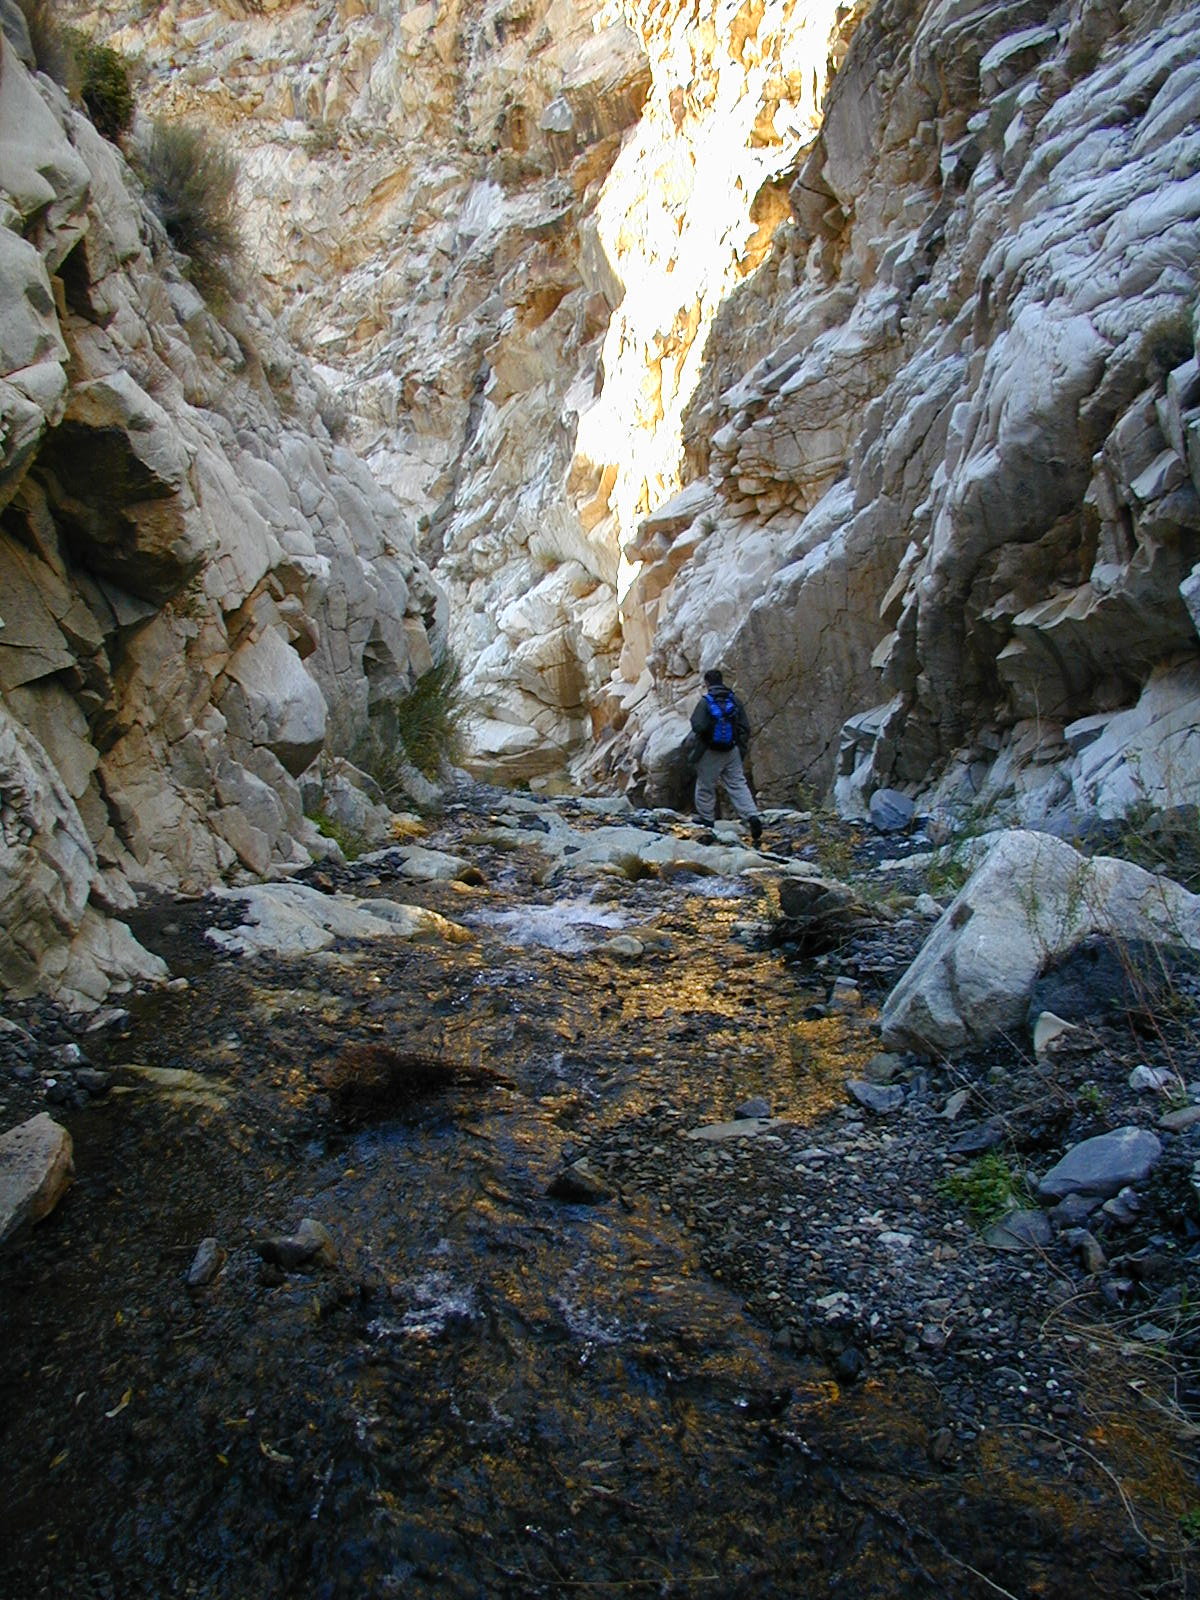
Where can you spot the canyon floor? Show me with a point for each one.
(622, 1292)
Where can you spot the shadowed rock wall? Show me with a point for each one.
(199, 589)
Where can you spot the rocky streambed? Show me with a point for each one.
(527, 1209)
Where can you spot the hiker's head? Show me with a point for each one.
(713, 678)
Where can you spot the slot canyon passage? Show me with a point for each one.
(432, 1161)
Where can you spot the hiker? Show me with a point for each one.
(722, 732)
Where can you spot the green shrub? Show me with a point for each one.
(349, 841)
(192, 185)
(423, 726)
(104, 85)
(987, 1188)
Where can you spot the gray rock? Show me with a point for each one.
(1151, 1078)
(1020, 1230)
(890, 811)
(1124, 1207)
(1103, 1165)
(756, 1106)
(1181, 1118)
(210, 1257)
(1088, 1249)
(310, 1245)
(36, 1168)
(878, 1097)
(1073, 1210)
(973, 1141)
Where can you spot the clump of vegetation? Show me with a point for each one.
(1163, 841)
(192, 185)
(104, 85)
(987, 1189)
(52, 52)
(947, 873)
(92, 73)
(423, 727)
(348, 840)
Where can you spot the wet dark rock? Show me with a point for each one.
(310, 1245)
(849, 1364)
(95, 1081)
(366, 1082)
(578, 1185)
(1101, 975)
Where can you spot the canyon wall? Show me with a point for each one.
(503, 230)
(200, 589)
(943, 516)
(886, 401)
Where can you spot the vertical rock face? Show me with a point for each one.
(957, 484)
(894, 416)
(504, 229)
(199, 589)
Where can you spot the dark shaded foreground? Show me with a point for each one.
(493, 1394)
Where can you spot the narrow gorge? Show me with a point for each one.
(487, 1178)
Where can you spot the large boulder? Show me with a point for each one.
(36, 1168)
(1032, 898)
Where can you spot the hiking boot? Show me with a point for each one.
(701, 822)
(756, 828)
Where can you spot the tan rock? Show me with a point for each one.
(36, 1169)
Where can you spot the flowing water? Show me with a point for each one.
(495, 1393)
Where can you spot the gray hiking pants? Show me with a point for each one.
(723, 767)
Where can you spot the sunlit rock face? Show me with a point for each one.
(892, 413)
(199, 590)
(944, 512)
(504, 230)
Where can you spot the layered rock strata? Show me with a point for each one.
(199, 589)
(947, 517)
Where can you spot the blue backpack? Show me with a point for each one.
(722, 707)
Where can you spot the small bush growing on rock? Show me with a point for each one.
(104, 86)
(192, 185)
(422, 727)
(348, 840)
(52, 54)
(987, 1188)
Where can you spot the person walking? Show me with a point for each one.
(722, 731)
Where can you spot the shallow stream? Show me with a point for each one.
(494, 1393)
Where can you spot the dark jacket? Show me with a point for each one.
(702, 719)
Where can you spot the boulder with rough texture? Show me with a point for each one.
(36, 1168)
(1032, 898)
